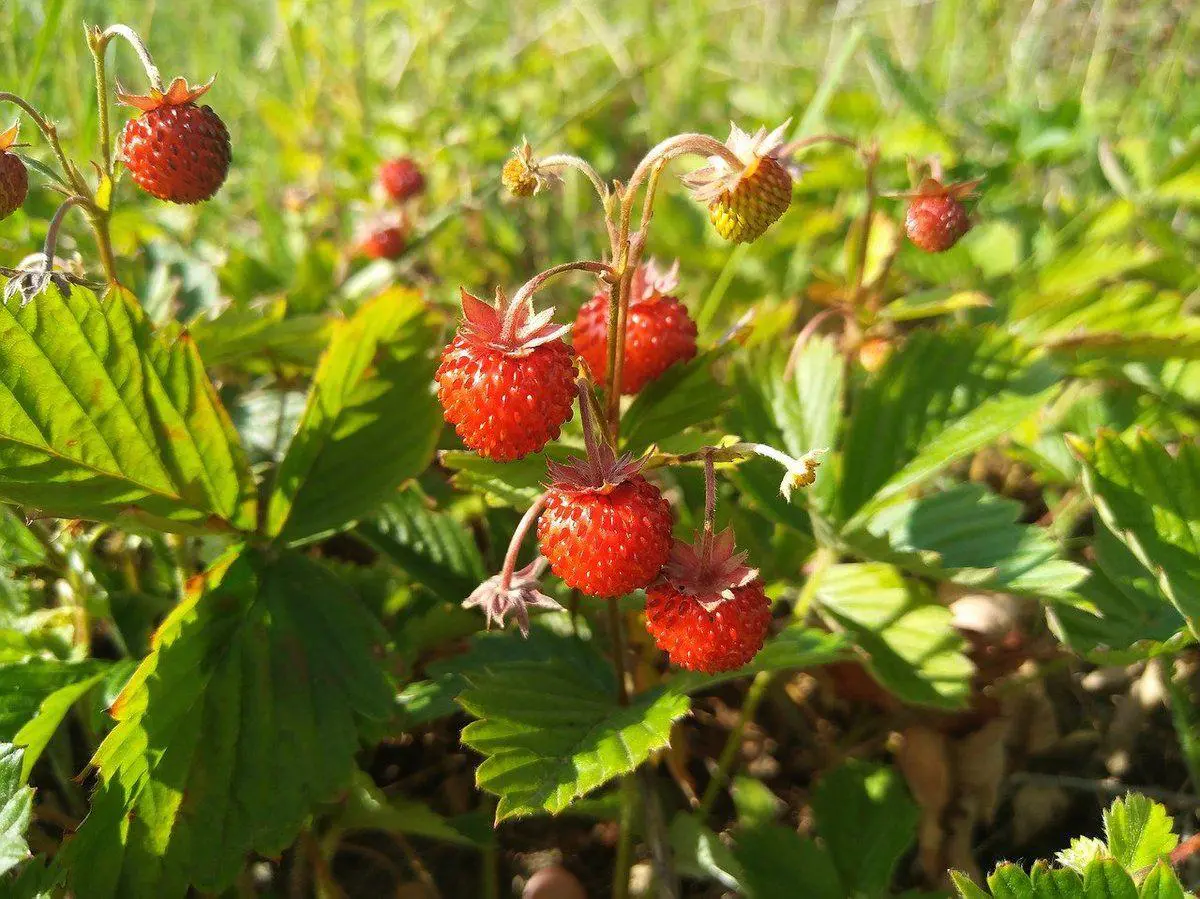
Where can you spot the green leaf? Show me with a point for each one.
(1151, 501)
(19, 546)
(1091, 264)
(551, 729)
(932, 303)
(940, 397)
(262, 338)
(370, 424)
(966, 887)
(1055, 883)
(25, 685)
(796, 413)
(1106, 879)
(910, 645)
(975, 535)
(1139, 832)
(367, 807)
(778, 863)
(517, 484)
(16, 808)
(102, 419)
(867, 821)
(1009, 882)
(793, 648)
(243, 718)
(1121, 598)
(686, 396)
(37, 731)
(434, 549)
(1161, 883)
(699, 853)
(1129, 321)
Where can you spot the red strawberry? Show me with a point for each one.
(402, 179)
(708, 611)
(175, 150)
(605, 529)
(14, 179)
(606, 539)
(659, 332)
(507, 380)
(385, 243)
(936, 218)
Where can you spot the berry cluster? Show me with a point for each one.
(507, 382)
(386, 237)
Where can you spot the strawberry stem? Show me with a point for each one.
(566, 160)
(51, 245)
(710, 505)
(518, 537)
(51, 134)
(102, 39)
(538, 281)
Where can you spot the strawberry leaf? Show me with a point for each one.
(370, 424)
(105, 420)
(241, 720)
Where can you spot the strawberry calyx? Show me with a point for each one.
(932, 187)
(178, 93)
(508, 325)
(8, 137)
(651, 281)
(500, 596)
(720, 177)
(709, 569)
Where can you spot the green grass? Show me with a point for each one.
(315, 93)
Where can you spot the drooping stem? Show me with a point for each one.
(51, 243)
(139, 47)
(671, 148)
(518, 537)
(617, 347)
(566, 160)
(538, 281)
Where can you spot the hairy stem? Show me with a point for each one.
(538, 281)
(143, 53)
(50, 132)
(710, 498)
(566, 160)
(518, 537)
(51, 244)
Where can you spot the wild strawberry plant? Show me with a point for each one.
(219, 629)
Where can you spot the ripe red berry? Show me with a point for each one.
(385, 243)
(14, 179)
(402, 179)
(175, 150)
(507, 380)
(606, 535)
(708, 612)
(659, 332)
(936, 218)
